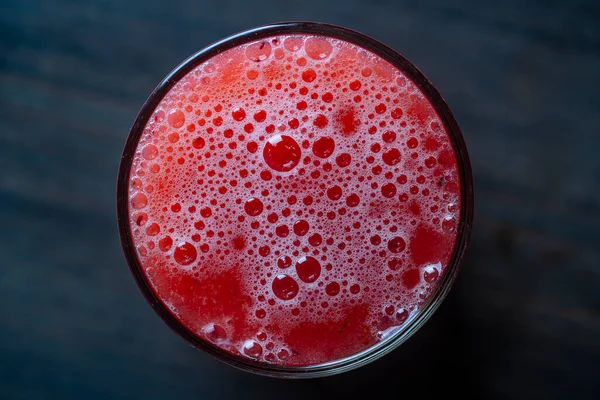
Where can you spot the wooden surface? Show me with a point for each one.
(523, 78)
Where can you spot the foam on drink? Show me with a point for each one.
(294, 200)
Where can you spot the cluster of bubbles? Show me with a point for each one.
(309, 165)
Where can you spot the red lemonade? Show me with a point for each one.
(294, 200)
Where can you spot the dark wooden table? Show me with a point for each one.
(523, 78)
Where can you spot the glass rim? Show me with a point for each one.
(463, 231)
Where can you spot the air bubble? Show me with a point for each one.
(323, 147)
(282, 231)
(252, 349)
(185, 253)
(285, 287)
(176, 118)
(165, 243)
(308, 269)
(258, 51)
(150, 152)
(343, 160)
(334, 192)
(309, 75)
(318, 48)
(391, 156)
(388, 190)
(301, 227)
(282, 153)
(284, 262)
(238, 114)
(332, 289)
(139, 200)
(253, 206)
(396, 245)
(214, 333)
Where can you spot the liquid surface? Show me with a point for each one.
(294, 200)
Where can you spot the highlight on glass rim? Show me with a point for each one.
(295, 200)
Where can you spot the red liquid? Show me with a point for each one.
(294, 200)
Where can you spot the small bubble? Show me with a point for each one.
(140, 218)
(309, 75)
(401, 315)
(282, 231)
(266, 175)
(353, 200)
(252, 74)
(355, 85)
(198, 143)
(173, 137)
(258, 51)
(165, 243)
(284, 262)
(136, 183)
(149, 152)
(293, 43)
(283, 354)
(185, 253)
(272, 218)
(282, 153)
(139, 200)
(449, 224)
(431, 274)
(252, 349)
(301, 227)
(334, 192)
(323, 147)
(391, 156)
(318, 48)
(260, 116)
(308, 269)
(315, 239)
(397, 113)
(380, 108)
(214, 333)
(343, 160)
(394, 263)
(264, 250)
(332, 288)
(176, 118)
(430, 162)
(396, 245)
(375, 240)
(388, 190)
(389, 137)
(253, 206)
(153, 229)
(327, 97)
(285, 287)
(238, 114)
(252, 147)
